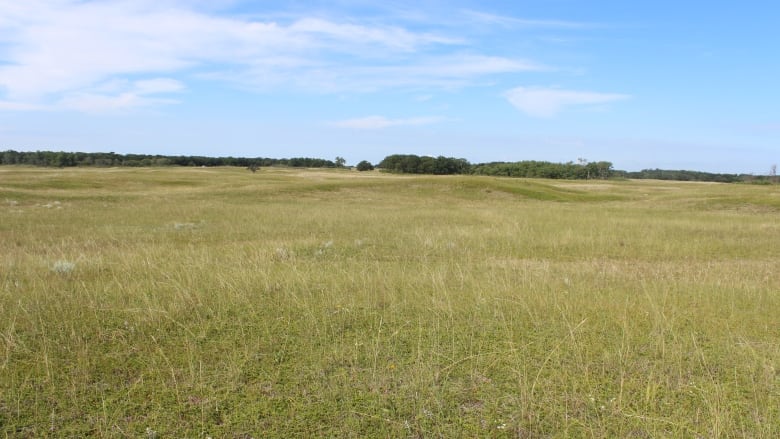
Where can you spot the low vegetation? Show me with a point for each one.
(63, 159)
(395, 163)
(215, 302)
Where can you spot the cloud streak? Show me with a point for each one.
(118, 96)
(506, 21)
(381, 122)
(548, 102)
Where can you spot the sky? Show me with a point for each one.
(642, 84)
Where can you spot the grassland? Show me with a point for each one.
(220, 303)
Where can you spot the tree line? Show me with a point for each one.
(582, 170)
(680, 175)
(540, 169)
(109, 159)
(396, 163)
(412, 164)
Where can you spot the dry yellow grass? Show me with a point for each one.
(216, 302)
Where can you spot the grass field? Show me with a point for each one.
(193, 302)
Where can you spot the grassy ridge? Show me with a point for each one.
(216, 302)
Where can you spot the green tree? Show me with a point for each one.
(340, 162)
(365, 165)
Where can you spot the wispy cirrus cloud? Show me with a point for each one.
(380, 122)
(59, 53)
(547, 102)
(392, 37)
(113, 96)
(450, 71)
(508, 21)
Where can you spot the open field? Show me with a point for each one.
(190, 302)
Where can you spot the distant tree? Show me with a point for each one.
(601, 170)
(365, 165)
(340, 162)
(586, 166)
(682, 175)
(412, 164)
(11, 157)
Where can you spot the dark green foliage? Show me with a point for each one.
(536, 169)
(413, 164)
(66, 159)
(365, 165)
(662, 174)
(397, 163)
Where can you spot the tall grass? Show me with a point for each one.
(216, 302)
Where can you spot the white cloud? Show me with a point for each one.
(65, 50)
(548, 102)
(466, 66)
(65, 46)
(117, 95)
(388, 36)
(436, 71)
(445, 72)
(380, 122)
(19, 106)
(158, 85)
(508, 21)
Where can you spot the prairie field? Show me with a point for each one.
(215, 302)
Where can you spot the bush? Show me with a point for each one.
(365, 166)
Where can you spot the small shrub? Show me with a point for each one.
(365, 166)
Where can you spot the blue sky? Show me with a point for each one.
(669, 84)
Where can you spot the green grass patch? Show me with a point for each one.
(325, 303)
